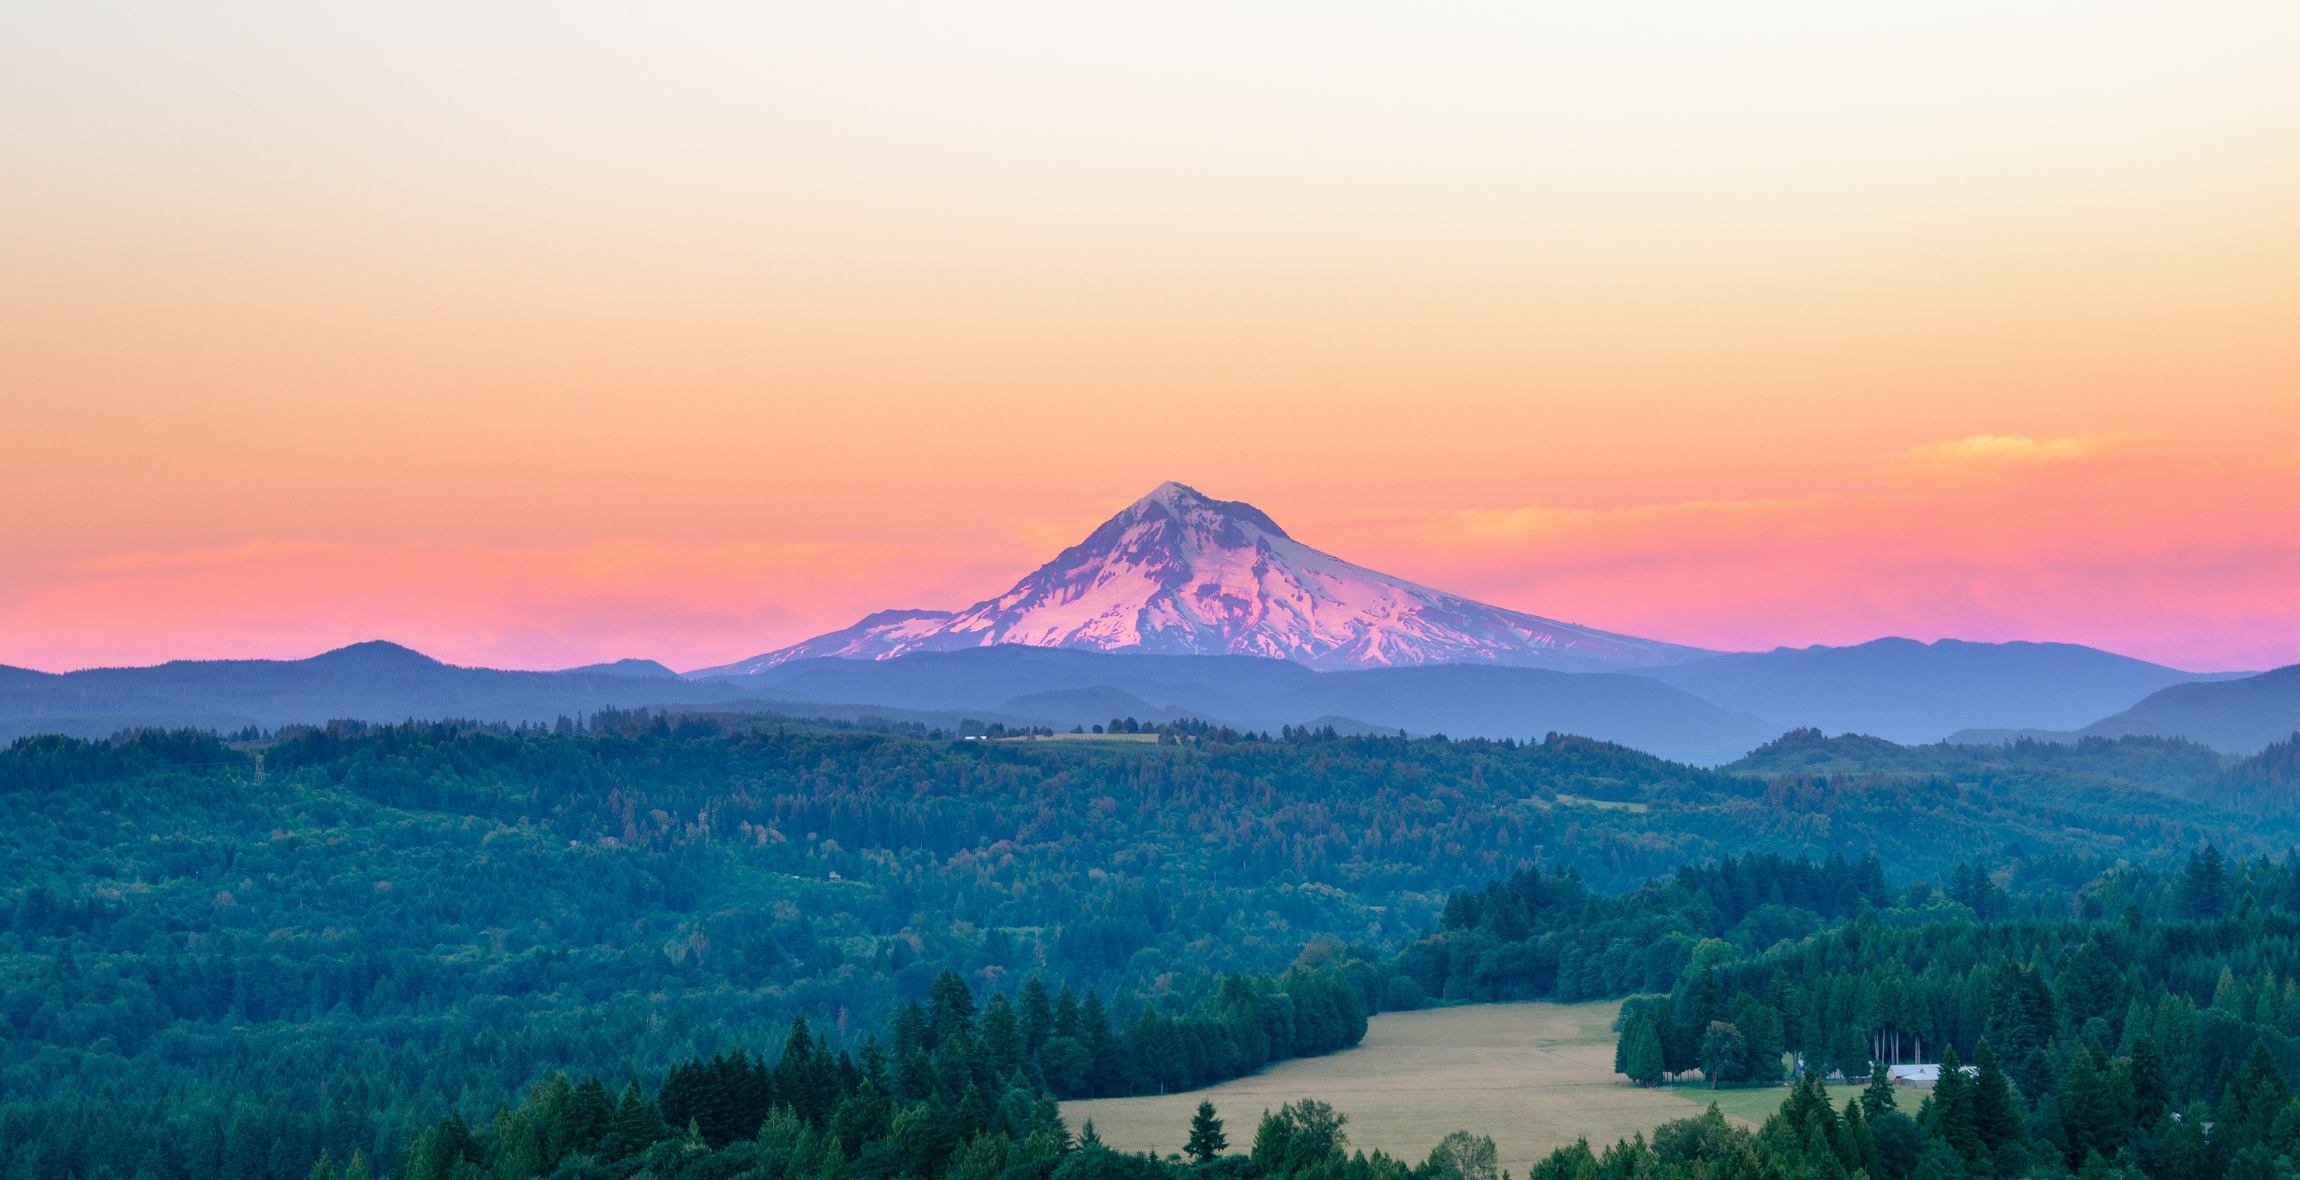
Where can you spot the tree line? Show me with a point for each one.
(220, 960)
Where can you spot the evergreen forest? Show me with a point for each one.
(700, 946)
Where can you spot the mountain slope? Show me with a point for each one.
(1063, 688)
(1179, 574)
(373, 681)
(1912, 692)
(644, 669)
(2239, 716)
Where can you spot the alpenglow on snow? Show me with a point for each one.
(1177, 573)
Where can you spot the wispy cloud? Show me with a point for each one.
(2117, 542)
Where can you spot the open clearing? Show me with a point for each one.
(1534, 1076)
(1752, 1105)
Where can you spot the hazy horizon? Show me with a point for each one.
(540, 336)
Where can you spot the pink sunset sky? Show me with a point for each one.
(544, 334)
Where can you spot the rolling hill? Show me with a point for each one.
(2240, 716)
(1911, 692)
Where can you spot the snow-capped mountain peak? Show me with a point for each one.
(1177, 573)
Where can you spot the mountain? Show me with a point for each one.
(1177, 573)
(2240, 716)
(1912, 692)
(2166, 764)
(373, 681)
(1008, 683)
(644, 669)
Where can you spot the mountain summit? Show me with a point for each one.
(1177, 573)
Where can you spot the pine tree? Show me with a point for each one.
(1046, 1119)
(1002, 1039)
(637, 1125)
(1037, 1015)
(1952, 1109)
(950, 1008)
(1206, 1139)
(2149, 1084)
(583, 1119)
(324, 1169)
(834, 1163)
(1645, 1059)
(1066, 1014)
(1762, 1027)
(2087, 1109)
(1107, 1073)
(1708, 998)
(1858, 1148)
(805, 1078)
(357, 1169)
(2204, 886)
(1087, 1138)
(1996, 1112)
(1878, 1098)
(909, 1029)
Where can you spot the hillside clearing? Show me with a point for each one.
(1535, 1076)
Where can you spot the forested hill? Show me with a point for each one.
(2145, 1028)
(410, 919)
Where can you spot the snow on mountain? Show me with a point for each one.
(1179, 574)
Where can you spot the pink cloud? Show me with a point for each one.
(2116, 542)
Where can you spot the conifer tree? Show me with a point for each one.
(2204, 886)
(324, 1169)
(637, 1125)
(1066, 1014)
(1645, 1060)
(1002, 1040)
(950, 1008)
(1996, 1112)
(2087, 1110)
(1857, 1147)
(1037, 1015)
(1878, 1098)
(1206, 1138)
(914, 1079)
(1046, 1119)
(909, 1029)
(357, 1169)
(2150, 1087)
(1762, 1026)
(1106, 1073)
(1951, 1108)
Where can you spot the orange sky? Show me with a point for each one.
(545, 334)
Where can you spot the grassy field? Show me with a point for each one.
(1533, 1076)
(1603, 804)
(1752, 1105)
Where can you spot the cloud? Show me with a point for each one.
(2116, 542)
(2001, 449)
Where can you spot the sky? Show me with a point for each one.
(531, 335)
